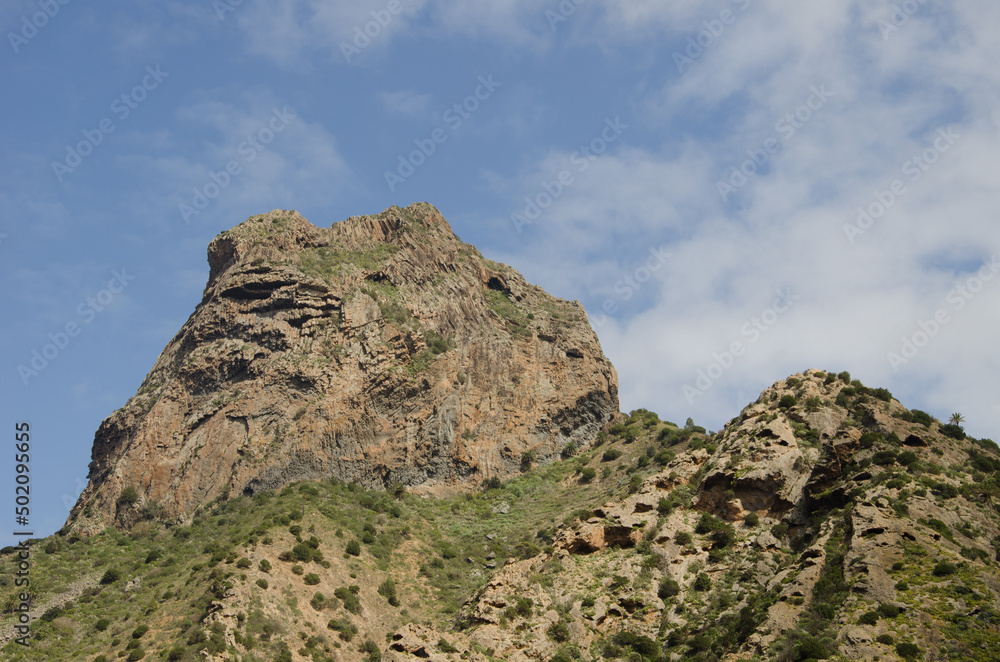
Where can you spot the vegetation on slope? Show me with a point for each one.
(887, 549)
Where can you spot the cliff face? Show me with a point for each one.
(380, 350)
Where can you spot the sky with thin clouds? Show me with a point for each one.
(736, 190)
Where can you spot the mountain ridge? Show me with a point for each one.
(825, 521)
(369, 442)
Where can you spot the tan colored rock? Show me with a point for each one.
(380, 350)
(414, 641)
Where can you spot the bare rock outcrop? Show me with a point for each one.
(381, 350)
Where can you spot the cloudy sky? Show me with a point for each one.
(736, 190)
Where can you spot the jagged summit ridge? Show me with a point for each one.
(379, 350)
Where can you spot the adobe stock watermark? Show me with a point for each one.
(957, 298)
(565, 9)
(365, 34)
(248, 149)
(454, 117)
(785, 128)
(580, 161)
(701, 42)
(753, 330)
(69, 500)
(914, 169)
(31, 25)
(900, 14)
(86, 312)
(628, 285)
(121, 107)
(223, 7)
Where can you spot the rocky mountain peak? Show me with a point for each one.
(379, 350)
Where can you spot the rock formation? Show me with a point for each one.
(380, 350)
(825, 520)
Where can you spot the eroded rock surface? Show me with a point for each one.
(380, 350)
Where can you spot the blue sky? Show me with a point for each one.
(736, 190)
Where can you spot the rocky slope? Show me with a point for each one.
(380, 350)
(826, 521)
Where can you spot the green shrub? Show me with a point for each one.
(884, 458)
(921, 417)
(702, 582)
(888, 610)
(128, 497)
(343, 626)
(244, 563)
(611, 455)
(370, 647)
(668, 588)
(558, 632)
(136, 654)
(752, 519)
(298, 570)
(869, 618)
(706, 524)
(111, 575)
(664, 457)
(944, 569)
(264, 565)
(683, 538)
(908, 651)
(387, 589)
(882, 394)
(445, 647)
(262, 583)
(664, 507)
(787, 401)
(810, 647)
(311, 579)
(139, 631)
(102, 624)
(353, 548)
(634, 483)
(588, 473)
(350, 600)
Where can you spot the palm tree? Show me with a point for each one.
(956, 419)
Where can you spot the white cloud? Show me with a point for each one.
(283, 29)
(785, 227)
(283, 160)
